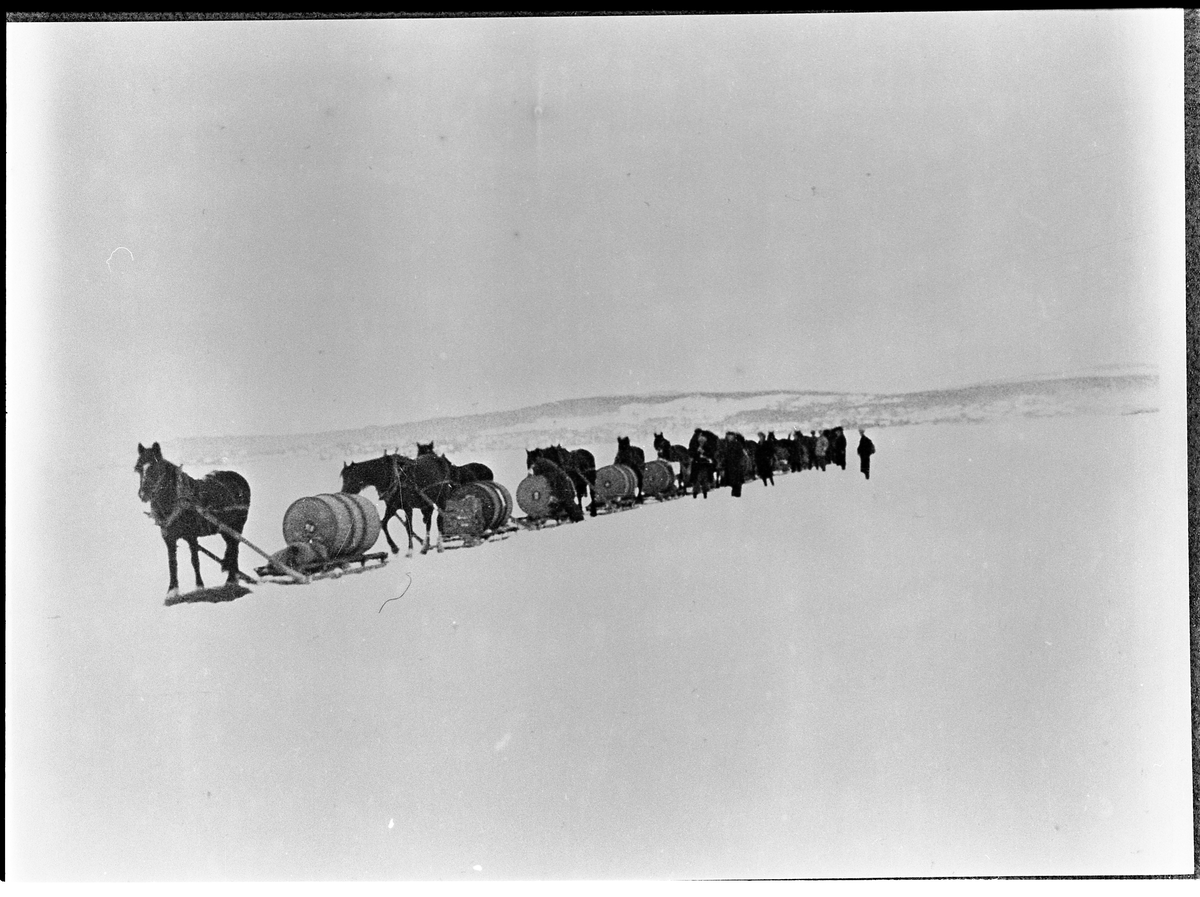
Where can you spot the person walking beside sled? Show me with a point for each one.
(866, 448)
(822, 444)
(735, 463)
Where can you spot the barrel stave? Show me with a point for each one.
(344, 525)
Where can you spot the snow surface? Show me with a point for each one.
(976, 663)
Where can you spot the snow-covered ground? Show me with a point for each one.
(976, 663)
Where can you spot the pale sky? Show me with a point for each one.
(272, 227)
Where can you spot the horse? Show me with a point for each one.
(386, 475)
(432, 478)
(391, 475)
(405, 484)
(631, 456)
(176, 500)
(579, 466)
(581, 469)
(806, 451)
(675, 454)
(473, 472)
(563, 494)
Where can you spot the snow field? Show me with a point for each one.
(973, 664)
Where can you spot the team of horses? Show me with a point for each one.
(188, 508)
(404, 484)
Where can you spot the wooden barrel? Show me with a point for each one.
(615, 482)
(344, 524)
(533, 495)
(657, 476)
(474, 508)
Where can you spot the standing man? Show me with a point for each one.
(735, 462)
(866, 448)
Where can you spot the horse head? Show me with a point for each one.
(424, 448)
(355, 477)
(532, 455)
(147, 468)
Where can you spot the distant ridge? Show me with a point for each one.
(599, 420)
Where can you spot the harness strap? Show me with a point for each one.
(185, 502)
(397, 486)
(428, 500)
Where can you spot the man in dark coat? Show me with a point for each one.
(735, 463)
(701, 466)
(764, 458)
(866, 448)
(838, 447)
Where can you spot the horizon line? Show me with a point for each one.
(1102, 371)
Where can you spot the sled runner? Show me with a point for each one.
(320, 568)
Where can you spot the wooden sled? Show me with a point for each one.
(329, 568)
(471, 540)
(613, 505)
(538, 523)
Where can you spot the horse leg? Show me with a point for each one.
(230, 564)
(194, 545)
(427, 514)
(172, 566)
(437, 510)
(388, 514)
(408, 528)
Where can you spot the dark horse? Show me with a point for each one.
(385, 474)
(404, 484)
(676, 454)
(631, 456)
(174, 498)
(564, 497)
(471, 472)
(579, 465)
